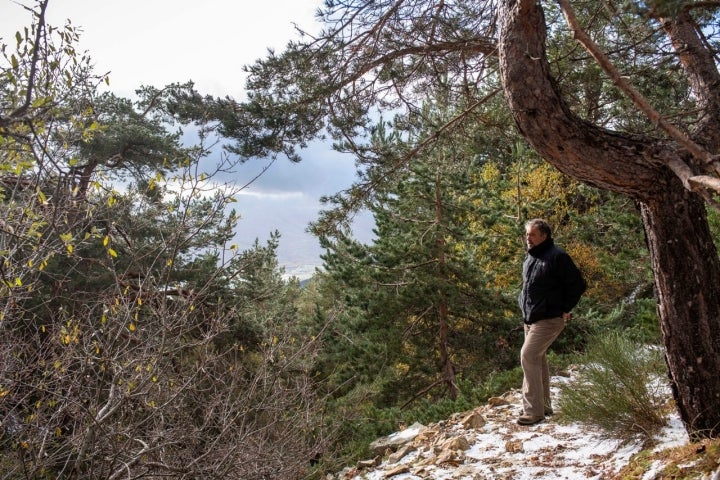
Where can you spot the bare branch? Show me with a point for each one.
(22, 109)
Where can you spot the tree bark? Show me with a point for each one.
(684, 260)
(687, 280)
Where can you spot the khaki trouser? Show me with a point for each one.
(533, 358)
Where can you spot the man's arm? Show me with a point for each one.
(574, 285)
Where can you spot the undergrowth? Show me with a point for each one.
(618, 389)
(690, 461)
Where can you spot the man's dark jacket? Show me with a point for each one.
(552, 284)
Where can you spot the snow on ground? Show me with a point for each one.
(500, 449)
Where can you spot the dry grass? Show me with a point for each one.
(690, 461)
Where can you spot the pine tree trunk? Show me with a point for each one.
(448, 370)
(687, 282)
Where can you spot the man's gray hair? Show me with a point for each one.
(541, 225)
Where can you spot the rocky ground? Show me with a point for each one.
(487, 443)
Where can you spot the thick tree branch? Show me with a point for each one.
(621, 162)
(695, 183)
(696, 150)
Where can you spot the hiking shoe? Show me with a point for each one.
(529, 420)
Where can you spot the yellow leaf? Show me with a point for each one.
(132, 327)
(18, 282)
(106, 240)
(112, 252)
(69, 248)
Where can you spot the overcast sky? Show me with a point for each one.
(157, 42)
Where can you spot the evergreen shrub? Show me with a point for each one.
(499, 382)
(637, 319)
(618, 388)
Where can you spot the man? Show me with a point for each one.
(552, 286)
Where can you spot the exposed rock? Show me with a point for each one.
(369, 463)
(496, 401)
(397, 471)
(473, 420)
(401, 452)
(428, 435)
(455, 443)
(452, 457)
(513, 446)
(385, 445)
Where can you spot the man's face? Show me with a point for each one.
(533, 237)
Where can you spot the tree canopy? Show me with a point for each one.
(620, 95)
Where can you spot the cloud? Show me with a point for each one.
(283, 196)
(158, 42)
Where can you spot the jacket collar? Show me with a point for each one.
(538, 250)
